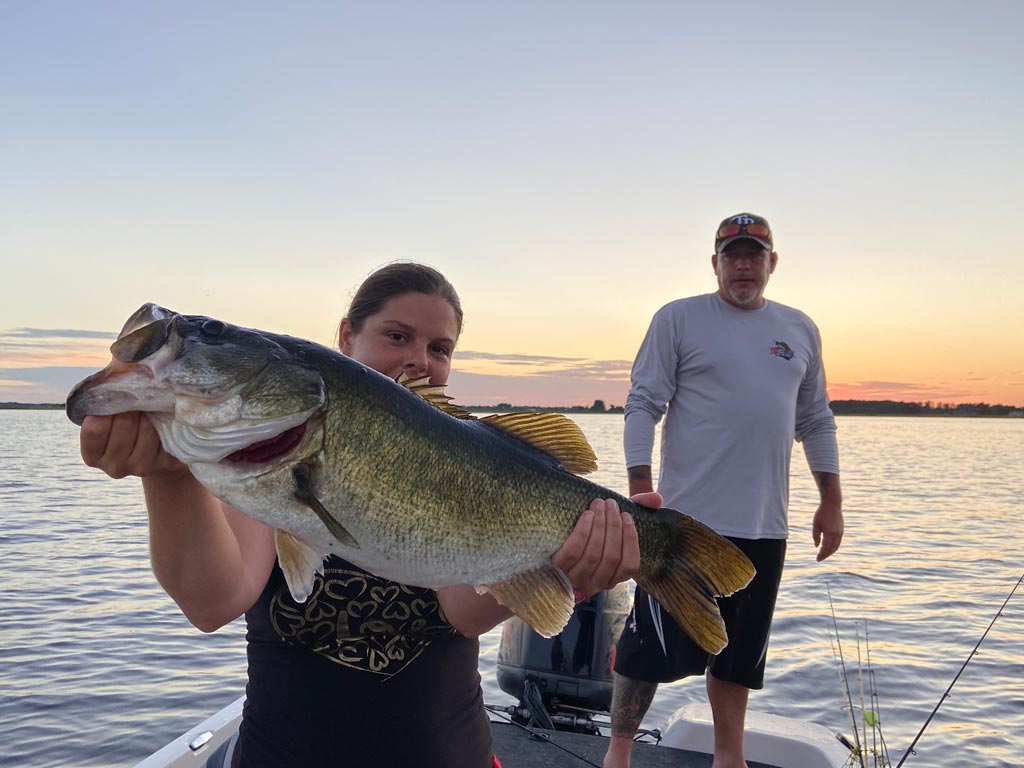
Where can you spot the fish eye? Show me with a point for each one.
(212, 328)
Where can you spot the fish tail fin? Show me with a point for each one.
(693, 567)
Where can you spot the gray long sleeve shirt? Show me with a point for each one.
(738, 387)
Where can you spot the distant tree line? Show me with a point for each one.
(598, 407)
(839, 407)
(899, 408)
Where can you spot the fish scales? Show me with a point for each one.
(425, 460)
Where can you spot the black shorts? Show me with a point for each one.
(640, 655)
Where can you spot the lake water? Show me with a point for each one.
(98, 668)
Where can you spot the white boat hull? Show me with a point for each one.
(771, 739)
(194, 747)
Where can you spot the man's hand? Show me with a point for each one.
(828, 519)
(828, 528)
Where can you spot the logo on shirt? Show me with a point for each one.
(783, 350)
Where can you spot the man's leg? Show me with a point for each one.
(630, 701)
(729, 709)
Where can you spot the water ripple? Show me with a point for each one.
(98, 668)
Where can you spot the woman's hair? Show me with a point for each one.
(397, 279)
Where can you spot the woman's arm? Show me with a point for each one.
(210, 558)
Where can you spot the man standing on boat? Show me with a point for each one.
(739, 378)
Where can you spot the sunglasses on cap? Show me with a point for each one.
(754, 230)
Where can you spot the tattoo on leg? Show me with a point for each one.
(630, 701)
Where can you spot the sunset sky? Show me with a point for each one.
(565, 164)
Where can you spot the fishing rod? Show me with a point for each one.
(876, 710)
(843, 679)
(910, 749)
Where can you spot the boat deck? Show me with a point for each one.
(516, 748)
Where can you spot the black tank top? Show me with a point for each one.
(365, 672)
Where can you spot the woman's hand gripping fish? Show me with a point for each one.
(390, 476)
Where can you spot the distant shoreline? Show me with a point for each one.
(32, 406)
(839, 408)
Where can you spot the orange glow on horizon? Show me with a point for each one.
(488, 378)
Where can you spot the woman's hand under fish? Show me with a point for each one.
(603, 549)
(125, 444)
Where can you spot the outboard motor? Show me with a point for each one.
(570, 671)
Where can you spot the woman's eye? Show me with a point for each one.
(396, 336)
(442, 351)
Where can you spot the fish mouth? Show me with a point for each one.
(271, 449)
(118, 388)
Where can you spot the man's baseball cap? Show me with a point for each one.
(740, 226)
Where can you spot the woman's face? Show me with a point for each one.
(414, 333)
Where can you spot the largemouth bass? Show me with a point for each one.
(391, 476)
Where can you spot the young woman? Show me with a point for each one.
(366, 669)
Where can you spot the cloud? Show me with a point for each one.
(543, 389)
(42, 384)
(515, 359)
(55, 333)
(903, 385)
(543, 366)
(900, 391)
(487, 378)
(614, 370)
(41, 365)
(54, 347)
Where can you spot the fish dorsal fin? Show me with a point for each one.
(552, 433)
(434, 395)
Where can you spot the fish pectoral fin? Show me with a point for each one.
(304, 493)
(299, 562)
(553, 433)
(543, 598)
